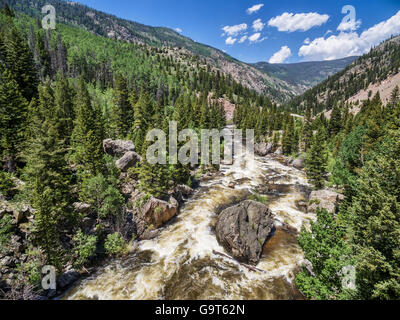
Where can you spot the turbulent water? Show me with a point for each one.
(181, 264)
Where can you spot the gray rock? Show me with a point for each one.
(67, 278)
(82, 207)
(129, 160)
(154, 214)
(243, 229)
(279, 151)
(324, 199)
(262, 149)
(181, 193)
(7, 262)
(117, 148)
(298, 163)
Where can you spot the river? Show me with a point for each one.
(181, 264)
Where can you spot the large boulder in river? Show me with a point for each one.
(298, 163)
(129, 160)
(158, 212)
(118, 148)
(243, 229)
(325, 199)
(152, 214)
(262, 149)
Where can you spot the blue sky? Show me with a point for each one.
(280, 31)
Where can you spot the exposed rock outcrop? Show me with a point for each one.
(262, 149)
(324, 199)
(118, 148)
(154, 214)
(243, 229)
(129, 160)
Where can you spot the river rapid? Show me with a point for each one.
(180, 263)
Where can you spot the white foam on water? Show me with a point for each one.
(191, 239)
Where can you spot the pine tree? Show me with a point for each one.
(328, 253)
(19, 60)
(143, 110)
(87, 136)
(48, 179)
(316, 163)
(375, 221)
(395, 96)
(308, 130)
(123, 113)
(13, 113)
(64, 108)
(44, 62)
(288, 136)
(8, 11)
(153, 178)
(335, 124)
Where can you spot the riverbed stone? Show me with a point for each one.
(262, 149)
(243, 229)
(67, 278)
(298, 163)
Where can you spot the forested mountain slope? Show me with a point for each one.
(112, 27)
(373, 68)
(305, 75)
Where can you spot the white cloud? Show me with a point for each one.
(230, 41)
(255, 37)
(179, 30)
(298, 22)
(234, 30)
(349, 25)
(281, 55)
(350, 43)
(243, 39)
(254, 8)
(258, 25)
(307, 41)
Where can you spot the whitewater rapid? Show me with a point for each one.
(180, 263)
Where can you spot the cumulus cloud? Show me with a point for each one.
(254, 8)
(298, 22)
(243, 39)
(307, 41)
(255, 37)
(258, 25)
(230, 41)
(281, 55)
(179, 30)
(350, 43)
(351, 25)
(234, 30)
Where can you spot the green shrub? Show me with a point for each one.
(115, 245)
(30, 270)
(85, 248)
(6, 184)
(259, 198)
(102, 194)
(5, 232)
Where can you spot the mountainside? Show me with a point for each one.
(304, 75)
(366, 74)
(112, 27)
